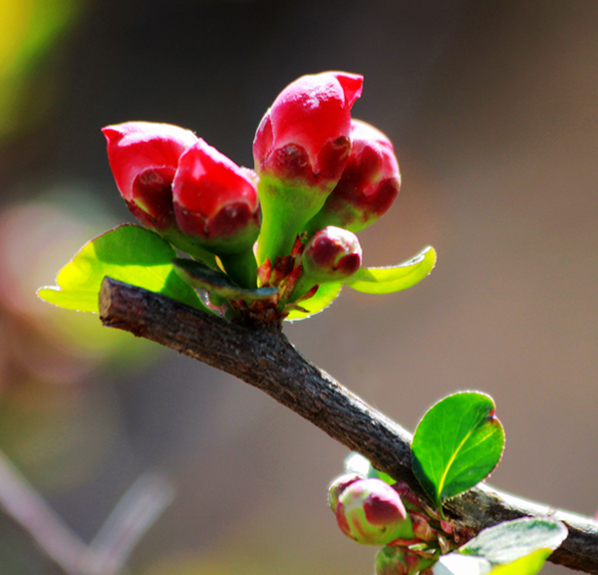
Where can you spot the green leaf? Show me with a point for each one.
(127, 253)
(202, 277)
(325, 295)
(456, 564)
(528, 565)
(457, 443)
(528, 538)
(394, 278)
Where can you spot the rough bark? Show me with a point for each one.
(266, 360)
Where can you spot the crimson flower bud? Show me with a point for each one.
(215, 201)
(300, 150)
(143, 157)
(369, 184)
(331, 255)
(338, 486)
(371, 512)
(306, 133)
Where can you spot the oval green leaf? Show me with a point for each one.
(528, 538)
(325, 295)
(393, 278)
(202, 277)
(128, 253)
(457, 443)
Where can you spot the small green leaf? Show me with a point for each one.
(394, 278)
(325, 295)
(457, 443)
(202, 277)
(530, 538)
(127, 253)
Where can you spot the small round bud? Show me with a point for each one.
(332, 255)
(371, 512)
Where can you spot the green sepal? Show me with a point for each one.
(457, 444)
(325, 295)
(202, 277)
(393, 278)
(128, 253)
(286, 209)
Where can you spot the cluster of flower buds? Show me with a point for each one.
(320, 176)
(372, 512)
(187, 191)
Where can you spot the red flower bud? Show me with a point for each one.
(306, 133)
(332, 255)
(215, 200)
(300, 150)
(371, 512)
(369, 184)
(143, 157)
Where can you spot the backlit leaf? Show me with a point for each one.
(393, 278)
(325, 295)
(127, 253)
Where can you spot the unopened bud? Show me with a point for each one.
(369, 184)
(215, 201)
(300, 150)
(370, 512)
(143, 157)
(332, 254)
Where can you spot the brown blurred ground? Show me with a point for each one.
(493, 109)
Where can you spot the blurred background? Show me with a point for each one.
(493, 109)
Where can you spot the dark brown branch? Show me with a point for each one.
(266, 360)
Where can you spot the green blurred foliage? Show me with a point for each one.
(29, 29)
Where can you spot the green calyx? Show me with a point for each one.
(286, 209)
